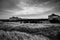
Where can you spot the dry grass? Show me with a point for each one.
(29, 25)
(27, 31)
(14, 35)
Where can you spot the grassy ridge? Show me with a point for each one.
(15, 35)
(51, 32)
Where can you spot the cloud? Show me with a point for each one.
(33, 17)
(8, 4)
(29, 7)
(30, 10)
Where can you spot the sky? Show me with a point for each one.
(28, 8)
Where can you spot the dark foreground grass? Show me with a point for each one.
(53, 32)
(14, 35)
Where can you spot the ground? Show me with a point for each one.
(28, 31)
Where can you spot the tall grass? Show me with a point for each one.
(15, 35)
(20, 33)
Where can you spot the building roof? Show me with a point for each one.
(53, 15)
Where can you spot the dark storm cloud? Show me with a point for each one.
(12, 6)
(8, 4)
(50, 2)
(40, 1)
(54, 3)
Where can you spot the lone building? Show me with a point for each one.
(54, 18)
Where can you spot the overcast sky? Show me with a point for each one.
(29, 8)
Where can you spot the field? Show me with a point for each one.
(29, 31)
(30, 25)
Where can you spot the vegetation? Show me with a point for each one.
(16, 31)
(15, 35)
(51, 32)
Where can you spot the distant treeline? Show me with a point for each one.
(31, 20)
(25, 20)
